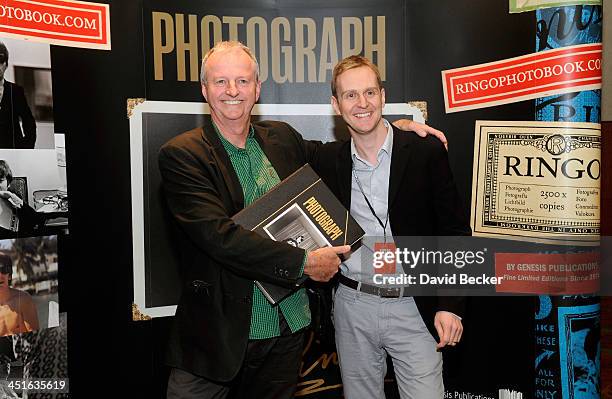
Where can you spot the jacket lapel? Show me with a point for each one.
(400, 157)
(225, 166)
(344, 166)
(8, 93)
(271, 146)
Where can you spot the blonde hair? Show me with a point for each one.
(354, 61)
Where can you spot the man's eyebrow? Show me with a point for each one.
(366, 89)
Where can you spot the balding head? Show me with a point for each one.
(225, 46)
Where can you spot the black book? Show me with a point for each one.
(303, 212)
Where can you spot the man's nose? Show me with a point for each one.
(363, 102)
(231, 89)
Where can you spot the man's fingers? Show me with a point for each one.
(342, 249)
(447, 335)
(435, 132)
(455, 329)
(439, 134)
(420, 131)
(407, 125)
(322, 264)
(15, 202)
(440, 332)
(452, 340)
(457, 335)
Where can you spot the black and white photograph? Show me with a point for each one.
(295, 228)
(26, 95)
(33, 192)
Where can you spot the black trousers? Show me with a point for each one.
(269, 371)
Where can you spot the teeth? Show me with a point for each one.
(364, 115)
(232, 102)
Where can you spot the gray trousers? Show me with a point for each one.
(367, 329)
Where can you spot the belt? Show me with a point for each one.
(383, 292)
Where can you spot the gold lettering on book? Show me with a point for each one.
(320, 215)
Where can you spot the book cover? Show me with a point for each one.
(303, 212)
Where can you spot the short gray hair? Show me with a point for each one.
(227, 45)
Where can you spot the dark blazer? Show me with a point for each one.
(220, 259)
(14, 109)
(423, 198)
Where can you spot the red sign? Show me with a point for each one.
(385, 260)
(563, 70)
(556, 274)
(62, 22)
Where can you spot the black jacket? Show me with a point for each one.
(423, 198)
(13, 110)
(220, 259)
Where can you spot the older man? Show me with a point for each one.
(227, 339)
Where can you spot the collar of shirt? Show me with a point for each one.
(229, 147)
(386, 148)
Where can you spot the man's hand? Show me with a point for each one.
(323, 263)
(449, 328)
(13, 199)
(421, 129)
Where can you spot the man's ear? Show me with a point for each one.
(257, 90)
(204, 92)
(335, 105)
(382, 96)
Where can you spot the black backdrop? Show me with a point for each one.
(109, 355)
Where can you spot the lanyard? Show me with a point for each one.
(384, 226)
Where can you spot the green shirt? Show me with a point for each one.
(257, 176)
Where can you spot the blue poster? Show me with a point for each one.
(561, 27)
(579, 351)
